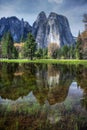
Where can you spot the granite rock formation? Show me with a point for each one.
(54, 29)
(17, 28)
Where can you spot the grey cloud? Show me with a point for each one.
(29, 9)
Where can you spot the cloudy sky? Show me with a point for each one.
(29, 9)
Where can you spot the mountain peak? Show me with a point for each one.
(42, 13)
(41, 16)
(53, 14)
(54, 29)
(13, 18)
(17, 28)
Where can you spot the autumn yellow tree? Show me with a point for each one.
(52, 50)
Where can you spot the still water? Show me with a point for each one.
(43, 97)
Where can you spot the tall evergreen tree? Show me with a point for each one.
(45, 53)
(78, 49)
(30, 47)
(39, 53)
(65, 51)
(7, 46)
(72, 52)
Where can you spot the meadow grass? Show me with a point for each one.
(46, 61)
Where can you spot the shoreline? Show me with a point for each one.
(46, 61)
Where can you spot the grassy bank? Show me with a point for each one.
(53, 61)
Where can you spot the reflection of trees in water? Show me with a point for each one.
(7, 74)
(53, 83)
(53, 75)
(41, 76)
(82, 81)
(48, 82)
(19, 80)
(62, 79)
(15, 85)
(35, 78)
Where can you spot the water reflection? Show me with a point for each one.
(75, 91)
(39, 96)
(53, 76)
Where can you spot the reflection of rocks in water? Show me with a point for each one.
(45, 82)
(58, 91)
(58, 94)
(49, 84)
(47, 75)
(75, 91)
(22, 104)
(53, 75)
(29, 98)
(42, 98)
(41, 83)
(69, 113)
(41, 95)
(41, 76)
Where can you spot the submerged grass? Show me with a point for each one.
(46, 61)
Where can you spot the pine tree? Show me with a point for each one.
(39, 53)
(78, 49)
(7, 46)
(15, 53)
(45, 53)
(29, 47)
(65, 51)
(72, 52)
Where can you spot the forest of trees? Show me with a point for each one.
(7, 47)
(30, 51)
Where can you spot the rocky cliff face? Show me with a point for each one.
(18, 29)
(54, 29)
(39, 29)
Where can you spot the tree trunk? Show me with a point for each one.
(31, 58)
